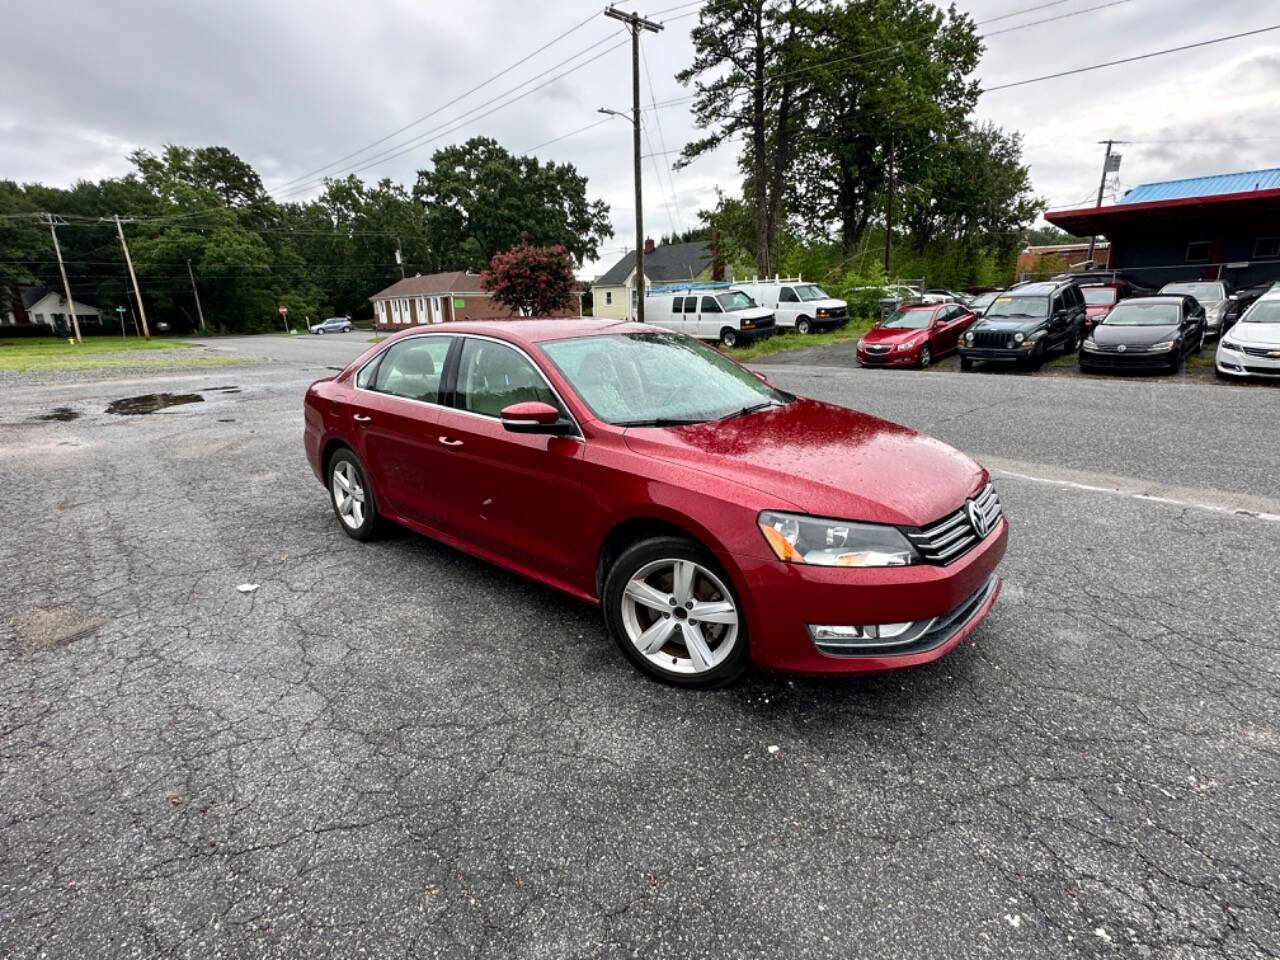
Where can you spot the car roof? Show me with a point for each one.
(1159, 298)
(528, 330)
(1041, 289)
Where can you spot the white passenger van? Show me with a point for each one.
(796, 305)
(709, 312)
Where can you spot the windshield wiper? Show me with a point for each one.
(753, 408)
(662, 422)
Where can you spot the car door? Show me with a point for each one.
(515, 495)
(1193, 324)
(711, 318)
(949, 327)
(676, 320)
(395, 425)
(787, 310)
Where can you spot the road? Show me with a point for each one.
(392, 749)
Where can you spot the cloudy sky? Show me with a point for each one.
(293, 87)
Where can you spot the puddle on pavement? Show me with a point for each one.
(63, 414)
(228, 389)
(151, 402)
(227, 420)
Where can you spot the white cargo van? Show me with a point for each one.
(797, 305)
(719, 313)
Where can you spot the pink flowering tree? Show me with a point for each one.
(533, 281)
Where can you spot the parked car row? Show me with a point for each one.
(1111, 322)
(741, 312)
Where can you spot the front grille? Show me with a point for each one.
(877, 350)
(1272, 371)
(834, 313)
(1267, 352)
(992, 339)
(923, 635)
(955, 534)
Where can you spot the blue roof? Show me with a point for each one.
(1205, 186)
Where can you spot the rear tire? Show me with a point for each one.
(804, 326)
(729, 337)
(652, 614)
(351, 496)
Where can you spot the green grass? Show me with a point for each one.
(43, 354)
(782, 342)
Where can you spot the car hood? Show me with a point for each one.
(752, 313)
(831, 303)
(824, 460)
(891, 335)
(1255, 334)
(1116, 335)
(1009, 324)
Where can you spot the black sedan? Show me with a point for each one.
(1146, 333)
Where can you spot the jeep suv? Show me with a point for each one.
(1024, 323)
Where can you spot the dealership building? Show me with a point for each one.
(1221, 227)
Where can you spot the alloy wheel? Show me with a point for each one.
(680, 616)
(925, 357)
(348, 494)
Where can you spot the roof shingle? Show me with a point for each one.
(434, 285)
(668, 263)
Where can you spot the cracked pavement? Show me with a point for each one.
(394, 750)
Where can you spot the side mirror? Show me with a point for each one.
(1233, 296)
(533, 416)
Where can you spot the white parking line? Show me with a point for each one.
(1214, 501)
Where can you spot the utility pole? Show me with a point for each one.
(888, 218)
(66, 287)
(1108, 166)
(635, 23)
(400, 258)
(199, 309)
(142, 311)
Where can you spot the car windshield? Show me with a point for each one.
(657, 379)
(1264, 311)
(908, 320)
(1204, 292)
(983, 300)
(1143, 315)
(1099, 296)
(1019, 307)
(735, 300)
(811, 291)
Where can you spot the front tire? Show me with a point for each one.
(729, 337)
(672, 610)
(1200, 343)
(966, 363)
(804, 326)
(351, 496)
(925, 357)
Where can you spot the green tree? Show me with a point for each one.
(533, 281)
(746, 84)
(480, 199)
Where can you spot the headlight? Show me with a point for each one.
(1019, 337)
(907, 346)
(1089, 344)
(1228, 345)
(795, 538)
(968, 336)
(1162, 345)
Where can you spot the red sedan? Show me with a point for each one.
(717, 520)
(915, 336)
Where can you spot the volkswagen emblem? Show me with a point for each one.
(977, 519)
(1122, 348)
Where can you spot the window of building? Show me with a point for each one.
(608, 297)
(1199, 251)
(1267, 248)
(39, 318)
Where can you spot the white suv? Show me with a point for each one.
(1251, 348)
(796, 305)
(729, 316)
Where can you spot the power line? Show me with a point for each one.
(566, 136)
(1141, 56)
(1019, 13)
(467, 117)
(662, 140)
(444, 106)
(1061, 16)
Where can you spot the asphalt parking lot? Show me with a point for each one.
(391, 749)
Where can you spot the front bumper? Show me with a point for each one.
(894, 358)
(998, 354)
(783, 599)
(1127, 361)
(1236, 363)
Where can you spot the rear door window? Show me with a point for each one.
(412, 369)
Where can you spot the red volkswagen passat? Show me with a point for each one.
(717, 520)
(915, 335)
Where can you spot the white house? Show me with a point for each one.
(45, 305)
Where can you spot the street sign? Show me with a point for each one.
(283, 311)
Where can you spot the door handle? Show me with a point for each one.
(360, 418)
(450, 441)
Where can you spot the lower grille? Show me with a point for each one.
(923, 635)
(956, 534)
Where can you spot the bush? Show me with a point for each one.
(21, 331)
